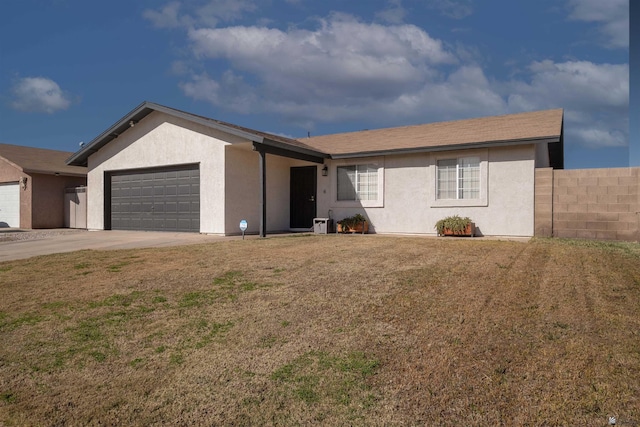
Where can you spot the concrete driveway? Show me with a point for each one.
(16, 245)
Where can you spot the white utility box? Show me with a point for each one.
(322, 225)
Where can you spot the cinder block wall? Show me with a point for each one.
(588, 203)
(543, 217)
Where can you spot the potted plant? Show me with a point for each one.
(455, 226)
(353, 224)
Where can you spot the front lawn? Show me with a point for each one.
(331, 330)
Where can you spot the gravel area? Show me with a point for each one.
(12, 234)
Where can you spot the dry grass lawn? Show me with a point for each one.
(331, 330)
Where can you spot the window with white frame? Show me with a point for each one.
(357, 182)
(458, 178)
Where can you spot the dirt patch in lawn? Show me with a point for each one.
(333, 330)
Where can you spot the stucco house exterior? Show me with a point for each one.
(32, 186)
(163, 169)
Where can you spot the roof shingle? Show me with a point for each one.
(537, 125)
(40, 160)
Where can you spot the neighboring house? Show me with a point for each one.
(32, 186)
(163, 169)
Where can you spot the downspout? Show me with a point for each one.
(553, 186)
(263, 193)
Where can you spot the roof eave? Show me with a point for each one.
(81, 157)
(11, 163)
(296, 149)
(449, 147)
(291, 151)
(205, 122)
(54, 172)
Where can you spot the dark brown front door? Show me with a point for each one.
(303, 197)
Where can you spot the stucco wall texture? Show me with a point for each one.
(229, 179)
(47, 203)
(409, 194)
(42, 199)
(162, 140)
(229, 182)
(10, 174)
(588, 203)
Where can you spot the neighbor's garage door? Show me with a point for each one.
(9, 205)
(165, 199)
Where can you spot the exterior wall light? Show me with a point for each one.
(325, 170)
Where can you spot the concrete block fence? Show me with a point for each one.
(588, 203)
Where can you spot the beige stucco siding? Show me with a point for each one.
(9, 173)
(162, 140)
(409, 202)
(242, 195)
(511, 192)
(230, 182)
(42, 197)
(542, 155)
(406, 192)
(48, 199)
(242, 189)
(278, 190)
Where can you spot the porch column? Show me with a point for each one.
(263, 193)
(282, 149)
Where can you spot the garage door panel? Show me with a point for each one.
(171, 207)
(184, 189)
(184, 207)
(186, 223)
(160, 223)
(161, 200)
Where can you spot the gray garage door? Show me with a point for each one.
(165, 199)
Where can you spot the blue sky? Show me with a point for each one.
(69, 69)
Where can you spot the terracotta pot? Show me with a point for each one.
(468, 231)
(357, 229)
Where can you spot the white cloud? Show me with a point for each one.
(344, 69)
(574, 84)
(231, 91)
(456, 9)
(167, 17)
(38, 94)
(597, 135)
(466, 93)
(612, 15)
(595, 98)
(213, 11)
(394, 14)
(179, 68)
(198, 12)
(343, 57)
(394, 74)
